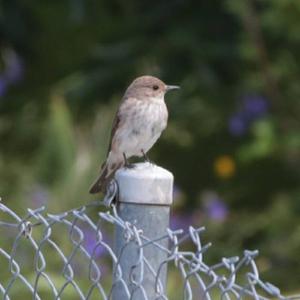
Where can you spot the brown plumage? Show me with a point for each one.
(139, 122)
(103, 179)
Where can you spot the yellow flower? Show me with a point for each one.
(224, 166)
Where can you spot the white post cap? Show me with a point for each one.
(145, 183)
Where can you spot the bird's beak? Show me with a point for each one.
(172, 87)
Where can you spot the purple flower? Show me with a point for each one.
(39, 196)
(255, 107)
(13, 70)
(3, 86)
(180, 221)
(91, 243)
(237, 125)
(14, 67)
(216, 209)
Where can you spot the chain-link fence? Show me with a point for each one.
(70, 256)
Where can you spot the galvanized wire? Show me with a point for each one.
(39, 236)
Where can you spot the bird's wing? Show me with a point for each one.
(115, 126)
(121, 117)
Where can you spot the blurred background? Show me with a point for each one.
(233, 139)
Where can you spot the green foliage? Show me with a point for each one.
(238, 65)
(58, 146)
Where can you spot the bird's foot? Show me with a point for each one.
(147, 159)
(127, 165)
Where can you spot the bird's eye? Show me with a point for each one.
(155, 87)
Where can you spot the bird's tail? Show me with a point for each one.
(106, 175)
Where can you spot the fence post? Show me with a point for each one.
(145, 196)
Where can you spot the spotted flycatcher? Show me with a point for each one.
(139, 122)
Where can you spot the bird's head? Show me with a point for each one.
(149, 87)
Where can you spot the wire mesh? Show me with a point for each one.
(70, 256)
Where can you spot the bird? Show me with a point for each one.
(140, 119)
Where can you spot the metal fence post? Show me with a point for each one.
(145, 196)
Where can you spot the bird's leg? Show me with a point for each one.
(146, 158)
(127, 164)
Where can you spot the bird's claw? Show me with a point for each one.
(146, 158)
(129, 166)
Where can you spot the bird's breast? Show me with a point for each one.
(144, 124)
(153, 117)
